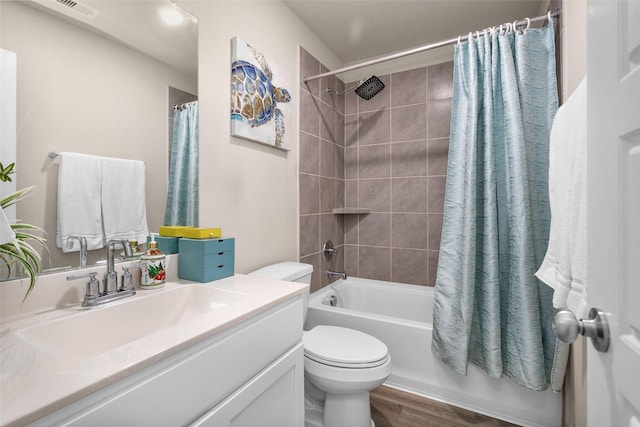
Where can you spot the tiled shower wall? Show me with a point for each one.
(388, 154)
(321, 179)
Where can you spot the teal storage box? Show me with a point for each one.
(204, 260)
(168, 245)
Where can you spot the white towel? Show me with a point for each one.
(565, 265)
(79, 212)
(124, 207)
(6, 232)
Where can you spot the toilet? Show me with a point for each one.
(341, 365)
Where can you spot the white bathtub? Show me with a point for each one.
(400, 315)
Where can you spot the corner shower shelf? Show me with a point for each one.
(348, 211)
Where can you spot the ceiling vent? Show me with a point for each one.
(84, 10)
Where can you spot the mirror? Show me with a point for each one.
(94, 77)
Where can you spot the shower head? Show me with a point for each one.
(369, 88)
(366, 89)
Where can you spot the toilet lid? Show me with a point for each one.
(336, 346)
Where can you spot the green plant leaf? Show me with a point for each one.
(23, 254)
(14, 198)
(19, 252)
(5, 172)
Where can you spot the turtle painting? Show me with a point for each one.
(255, 100)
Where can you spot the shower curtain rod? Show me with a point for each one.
(413, 51)
(183, 106)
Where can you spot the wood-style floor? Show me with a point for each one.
(395, 408)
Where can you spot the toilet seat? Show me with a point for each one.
(344, 348)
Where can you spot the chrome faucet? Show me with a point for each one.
(341, 274)
(83, 247)
(110, 291)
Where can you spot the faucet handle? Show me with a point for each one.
(91, 275)
(328, 250)
(93, 286)
(127, 280)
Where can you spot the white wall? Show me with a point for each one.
(248, 189)
(574, 39)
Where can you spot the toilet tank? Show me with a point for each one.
(292, 272)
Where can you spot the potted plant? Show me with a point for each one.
(19, 252)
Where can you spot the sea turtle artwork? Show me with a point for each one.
(256, 101)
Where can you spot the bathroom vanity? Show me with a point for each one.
(224, 353)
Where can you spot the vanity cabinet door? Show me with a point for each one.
(273, 398)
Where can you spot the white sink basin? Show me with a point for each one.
(104, 329)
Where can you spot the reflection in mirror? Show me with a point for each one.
(103, 85)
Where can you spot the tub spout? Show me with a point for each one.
(340, 274)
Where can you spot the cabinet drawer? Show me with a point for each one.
(205, 268)
(206, 246)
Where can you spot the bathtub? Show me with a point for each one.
(400, 315)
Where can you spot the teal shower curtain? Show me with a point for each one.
(489, 308)
(182, 197)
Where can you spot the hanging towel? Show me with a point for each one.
(79, 212)
(124, 207)
(564, 267)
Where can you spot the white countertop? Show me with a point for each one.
(34, 382)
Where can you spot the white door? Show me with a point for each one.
(613, 378)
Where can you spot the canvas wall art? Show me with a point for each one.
(260, 101)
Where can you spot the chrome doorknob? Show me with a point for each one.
(567, 327)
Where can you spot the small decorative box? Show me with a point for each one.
(173, 230)
(168, 245)
(204, 260)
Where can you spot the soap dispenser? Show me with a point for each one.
(152, 266)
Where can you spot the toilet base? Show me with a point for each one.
(313, 418)
(341, 408)
(347, 410)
